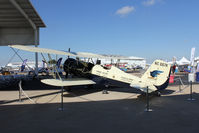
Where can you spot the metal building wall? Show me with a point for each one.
(23, 36)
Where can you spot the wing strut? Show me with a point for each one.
(16, 52)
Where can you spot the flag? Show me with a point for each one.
(23, 65)
(192, 56)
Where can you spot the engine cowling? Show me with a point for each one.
(77, 67)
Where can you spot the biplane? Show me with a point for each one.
(156, 77)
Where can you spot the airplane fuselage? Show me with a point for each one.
(112, 75)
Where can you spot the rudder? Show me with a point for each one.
(158, 74)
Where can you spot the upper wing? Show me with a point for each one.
(67, 82)
(75, 54)
(41, 50)
(51, 51)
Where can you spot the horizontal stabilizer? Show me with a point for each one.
(151, 88)
(67, 82)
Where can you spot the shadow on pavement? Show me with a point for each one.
(171, 114)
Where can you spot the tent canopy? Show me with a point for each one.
(183, 61)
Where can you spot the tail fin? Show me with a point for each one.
(158, 74)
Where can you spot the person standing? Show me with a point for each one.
(174, 68)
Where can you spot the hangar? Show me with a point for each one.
(19, 24)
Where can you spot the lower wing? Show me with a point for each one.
(67, 82)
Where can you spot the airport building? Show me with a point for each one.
(130, 62)
(17, 65)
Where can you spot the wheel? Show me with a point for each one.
(66, 76)
(105, 92)
(158, 94)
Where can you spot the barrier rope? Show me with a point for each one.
(20, 86)
(25, 93)
(183, 86)
(48, 100)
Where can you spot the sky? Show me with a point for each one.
(152, 29)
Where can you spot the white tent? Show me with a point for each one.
(183, 61)
(196, 59)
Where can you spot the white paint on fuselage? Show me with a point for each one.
(115, 73)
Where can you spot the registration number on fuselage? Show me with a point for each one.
(161, 64)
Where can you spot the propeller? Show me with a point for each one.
(68, 51)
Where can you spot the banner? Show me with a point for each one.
(192, 56)
(197, 68)
(23, 66)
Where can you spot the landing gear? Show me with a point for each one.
(157, 93)
(66, 76)
(104, 91)
(142, 95)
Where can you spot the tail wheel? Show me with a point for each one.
(157, 93)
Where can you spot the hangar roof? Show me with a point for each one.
(19, 13)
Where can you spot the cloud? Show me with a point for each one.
(149, 2)
(125, 10)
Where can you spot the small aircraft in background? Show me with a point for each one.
(156, 78)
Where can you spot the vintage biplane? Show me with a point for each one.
(156, 78)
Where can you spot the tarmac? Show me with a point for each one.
(88, 110)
